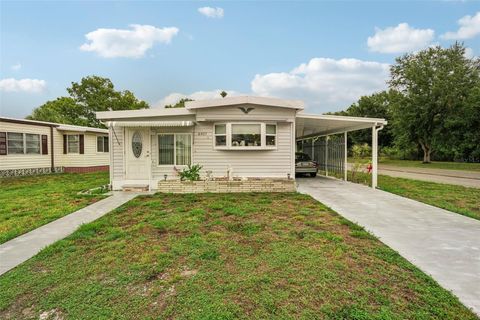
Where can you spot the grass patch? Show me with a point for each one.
(261, 260)
(27, 203)
(458, 199)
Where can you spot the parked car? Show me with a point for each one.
(305, 165)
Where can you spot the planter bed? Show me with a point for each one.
(222, 185)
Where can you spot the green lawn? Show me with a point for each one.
(463, 200)
(433, 165)
(27, 203)
(223, 256)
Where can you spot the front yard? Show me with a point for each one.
(27, 203)
(223, 256)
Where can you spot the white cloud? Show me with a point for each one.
(401, 38)
(174, 97)
(112, 43)
(16, 66)
(23, 85)
(324, 84)
(469, 28)
(211, 12)
(469, 53)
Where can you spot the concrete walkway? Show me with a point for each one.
(22, 248)
(443, 244)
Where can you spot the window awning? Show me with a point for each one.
(150, 123)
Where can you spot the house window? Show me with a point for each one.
(32, 143)
(270, 135)
(73, 143)
(246, 135)
(175, 149)
(15, 143)
(220, 134)
(102, 144)
(254, 136)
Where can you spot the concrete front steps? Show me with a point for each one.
(135, 187)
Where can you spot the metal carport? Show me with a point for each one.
(310, 128)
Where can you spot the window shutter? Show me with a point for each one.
(64, 144)
(82, 146)
(44, 144)
(3, 143)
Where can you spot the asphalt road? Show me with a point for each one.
(456, 177)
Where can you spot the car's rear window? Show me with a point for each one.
(302, 157)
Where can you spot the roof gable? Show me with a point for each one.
(242, 100)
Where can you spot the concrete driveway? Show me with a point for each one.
(443, 244)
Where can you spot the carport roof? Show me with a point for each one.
(309, 125)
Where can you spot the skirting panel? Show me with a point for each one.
(29, 171)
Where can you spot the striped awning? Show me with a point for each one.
(150, 123)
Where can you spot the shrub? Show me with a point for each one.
(191, 173)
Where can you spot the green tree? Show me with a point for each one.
(435, 84)
(60, 110)
(179, 104)
(376, 105)
(223, 94)
(88, 96)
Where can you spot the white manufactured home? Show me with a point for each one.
(234, 138)
(33, 147)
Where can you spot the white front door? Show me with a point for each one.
(137, 151)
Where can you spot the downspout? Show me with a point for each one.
(52, 157)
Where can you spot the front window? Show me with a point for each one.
(175, 149)
(15, 143)
(102, 144)
(246, 135)
(220, 134)
(270, 135)
(73, 143)
(32, 143)
(255, 136)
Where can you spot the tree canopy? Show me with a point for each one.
(437, 88)
(179, 104)
(86, 97)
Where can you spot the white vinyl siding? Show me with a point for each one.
(244, 163)
(90, 156)
(118, 139)
(25, 160)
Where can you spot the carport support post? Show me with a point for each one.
(374, 156)
(326, 156)
(345, 166)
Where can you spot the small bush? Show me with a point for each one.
(191, 173)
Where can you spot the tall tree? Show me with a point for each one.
(88, 96)
(60, 110)
(435, 84)
(376, 105)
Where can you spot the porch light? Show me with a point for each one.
(165, 177)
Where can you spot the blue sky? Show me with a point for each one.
(326, 53)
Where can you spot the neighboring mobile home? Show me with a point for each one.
(33, 147)
(231, 138)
